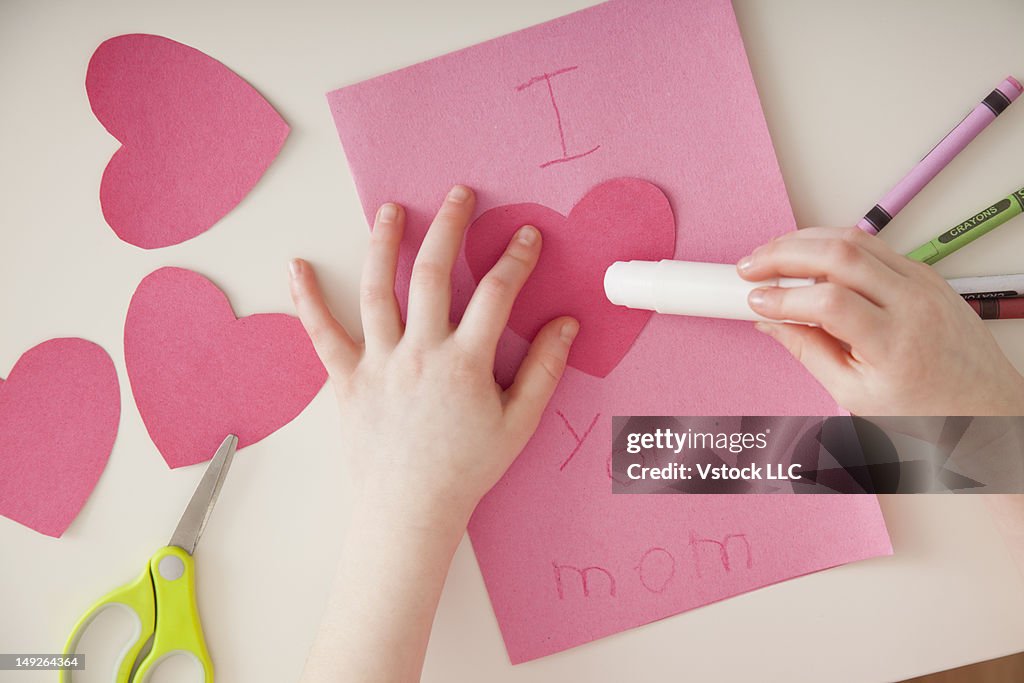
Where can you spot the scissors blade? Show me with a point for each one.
(194, 519)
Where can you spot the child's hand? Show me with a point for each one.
(892, 338)
(427, 427)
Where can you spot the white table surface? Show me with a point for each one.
(853, 91)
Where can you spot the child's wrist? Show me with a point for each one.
(417, 511)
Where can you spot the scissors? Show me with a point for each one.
(163, 598)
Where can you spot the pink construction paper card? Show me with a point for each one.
(657, 91)
(195, 138)
(59, 411)
(199, 374)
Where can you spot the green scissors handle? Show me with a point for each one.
(137, 598)
(163, 600)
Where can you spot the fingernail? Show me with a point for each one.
(744, 263)
(527, 235)
(569, 331)
(756, 297)
(295, 267)
(387, 213)
(458, 194)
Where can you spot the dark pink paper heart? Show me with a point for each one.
(199, 374)
(619, 220)
(59, 410)
(195, 138)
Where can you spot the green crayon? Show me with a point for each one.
(962, 234)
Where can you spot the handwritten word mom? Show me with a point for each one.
(656, 568)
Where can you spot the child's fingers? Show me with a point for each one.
(540, 372)
(382, 318)
(333, 344)
(430, 286)
(839, 311)
(819, 352)
(875, 245)
(839, 260)
(491, 304)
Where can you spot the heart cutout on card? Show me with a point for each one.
(59, 411)
(198, 373)
(619, 220)
(195, 138)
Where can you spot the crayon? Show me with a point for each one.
(999, 309)
(965, 232)
(940, 156)
(988, 286)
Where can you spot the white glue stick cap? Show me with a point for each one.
(631, 283)
(711, 290)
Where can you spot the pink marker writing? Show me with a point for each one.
(940, 156)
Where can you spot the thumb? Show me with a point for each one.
(822, 354)
(332, 343)
(538, 376)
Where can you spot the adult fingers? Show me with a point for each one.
(489, 308)
(837, 260)
(430, 286)
(338, 352)
(840, 311)
(539, 373)
(382, 318)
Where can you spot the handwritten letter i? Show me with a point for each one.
(545, 78)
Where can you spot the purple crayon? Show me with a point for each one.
(940, 156)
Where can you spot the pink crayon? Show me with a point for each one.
(940, 156)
